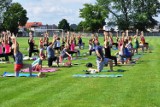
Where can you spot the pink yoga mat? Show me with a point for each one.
(43, 70)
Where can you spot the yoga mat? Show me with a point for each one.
(119, 70)
(62, 64)
(80, 59)
(8, 74)
(3, 62)
(137, 56)
(32, 58)
(114, 48)
(43, 70)
(97, 75)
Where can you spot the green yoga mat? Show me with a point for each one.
(8, 74)
(98, 75)
(119, 70)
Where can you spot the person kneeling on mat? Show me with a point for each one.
(51, 53)
(65, 54)
(101, 61)
(18, 57)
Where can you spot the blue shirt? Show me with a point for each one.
(126, 52)
(18, 58)
(63, 53)
(50, 52)
(100, 50)
(37, 61)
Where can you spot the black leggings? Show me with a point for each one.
(32, 51)
(113, 58)
(6, 57)
(50, 61)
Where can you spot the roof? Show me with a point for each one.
(33, 24)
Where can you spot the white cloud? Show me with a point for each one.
(52, 11)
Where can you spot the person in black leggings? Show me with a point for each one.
(108, 52)
(31, 46)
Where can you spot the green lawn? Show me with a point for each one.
(139, 86)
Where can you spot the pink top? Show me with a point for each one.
(111, 40)
(142, 40)
(72, 47)
(1, 49)
(7, 48)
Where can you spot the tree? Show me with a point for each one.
(63, 24)
(4, 4)
(73, 27)
(94, 17)
(144, 11)
(80, 26)
(15, 16)
(137, 13)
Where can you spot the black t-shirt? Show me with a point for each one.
(31, 45)
(107, 52)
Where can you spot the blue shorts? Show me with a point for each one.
(100, 64)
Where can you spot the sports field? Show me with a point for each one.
(139, 86)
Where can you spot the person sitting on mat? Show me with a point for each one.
(37, 64)
(18, 57)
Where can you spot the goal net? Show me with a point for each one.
(51, 32)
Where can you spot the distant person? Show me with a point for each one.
(31, 46)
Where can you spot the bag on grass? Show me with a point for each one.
(89, 65)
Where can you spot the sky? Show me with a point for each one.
(53, 11)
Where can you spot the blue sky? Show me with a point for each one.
(52, 11)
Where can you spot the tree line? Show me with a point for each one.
(126, 14)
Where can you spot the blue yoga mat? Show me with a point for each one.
(8, 74)
(98, 75)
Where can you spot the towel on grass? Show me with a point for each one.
(42, 70)
(8, 74)
(98, 75)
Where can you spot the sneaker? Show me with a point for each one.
(41, 75)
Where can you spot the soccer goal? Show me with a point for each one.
(40, 32)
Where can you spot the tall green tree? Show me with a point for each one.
(120, 10)
(143, 13)
(136, 13)
(80, 26)
(94, 17)
(4, 4)
(15, 16)
(63, 24)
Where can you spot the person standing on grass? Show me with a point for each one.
(51, 54)
(18, 57)
(101, 60)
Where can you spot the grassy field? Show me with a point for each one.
(139, 86)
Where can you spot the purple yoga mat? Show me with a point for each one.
(43, 70)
